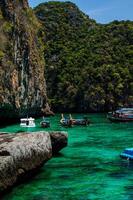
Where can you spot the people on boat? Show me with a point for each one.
(122, 114)
(71, 121)
(66, 122)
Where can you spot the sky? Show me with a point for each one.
(103, 11)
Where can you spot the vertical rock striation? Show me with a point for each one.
(22, 86)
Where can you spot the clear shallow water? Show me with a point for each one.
(88, 169)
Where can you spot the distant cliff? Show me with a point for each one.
(22, 82)
(89, 66)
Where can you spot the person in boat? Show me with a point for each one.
(65, 122)
(121, 115)
(62, 118)
(71, 120)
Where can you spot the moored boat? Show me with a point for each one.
(66, 122)
(127, 154)
(27, 122)
(81, 122)
(70, 121)
(121, 115)
(45, 123)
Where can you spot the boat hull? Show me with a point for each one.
(70, 123)
(126, 157)
(67, 123)
(28, 126)
(116, 119)
(81, 122)
(45, 124)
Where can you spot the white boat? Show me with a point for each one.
(27, 122)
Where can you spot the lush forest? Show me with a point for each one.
(89, 66)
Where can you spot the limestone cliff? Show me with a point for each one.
(22, 85)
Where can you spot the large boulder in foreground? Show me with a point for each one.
(22, 154)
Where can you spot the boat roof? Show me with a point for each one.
(124, 110)
(129, 149)
(27, 119)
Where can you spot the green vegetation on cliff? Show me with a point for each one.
(22, 82)
(89, 66)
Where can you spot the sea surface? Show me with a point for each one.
(89, 168)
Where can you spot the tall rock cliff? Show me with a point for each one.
(22, 83)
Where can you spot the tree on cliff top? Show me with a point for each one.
(88, 65)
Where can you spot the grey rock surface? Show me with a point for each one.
(59, 140)
(23, 153)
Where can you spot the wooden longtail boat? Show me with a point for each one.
(70, 122)
(45, 123)
(121, 115)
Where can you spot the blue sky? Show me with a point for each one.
(103, 11)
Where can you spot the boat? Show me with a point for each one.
(127, 154)
(27, 122)
(66, 122)
(45, 123)
(121, 115)
(81, 122)
(70, 121)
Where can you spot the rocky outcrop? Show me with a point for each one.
(58, 141)
(22, 154)
(22, 86)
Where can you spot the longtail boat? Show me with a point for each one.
(121, 115)
(81, 122)
(45, 123)
(70, 121)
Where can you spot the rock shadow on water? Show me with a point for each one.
(58, 155)
(20, 131)
(121, 169)
(39, 197)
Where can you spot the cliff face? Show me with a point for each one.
(90, 63)
(22, 86)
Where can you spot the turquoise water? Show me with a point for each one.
(88, 169)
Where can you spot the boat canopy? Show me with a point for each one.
(27, 122)
(125, 110)
(27, 119)
(128, 151)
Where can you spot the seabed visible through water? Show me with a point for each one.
(89, 168)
